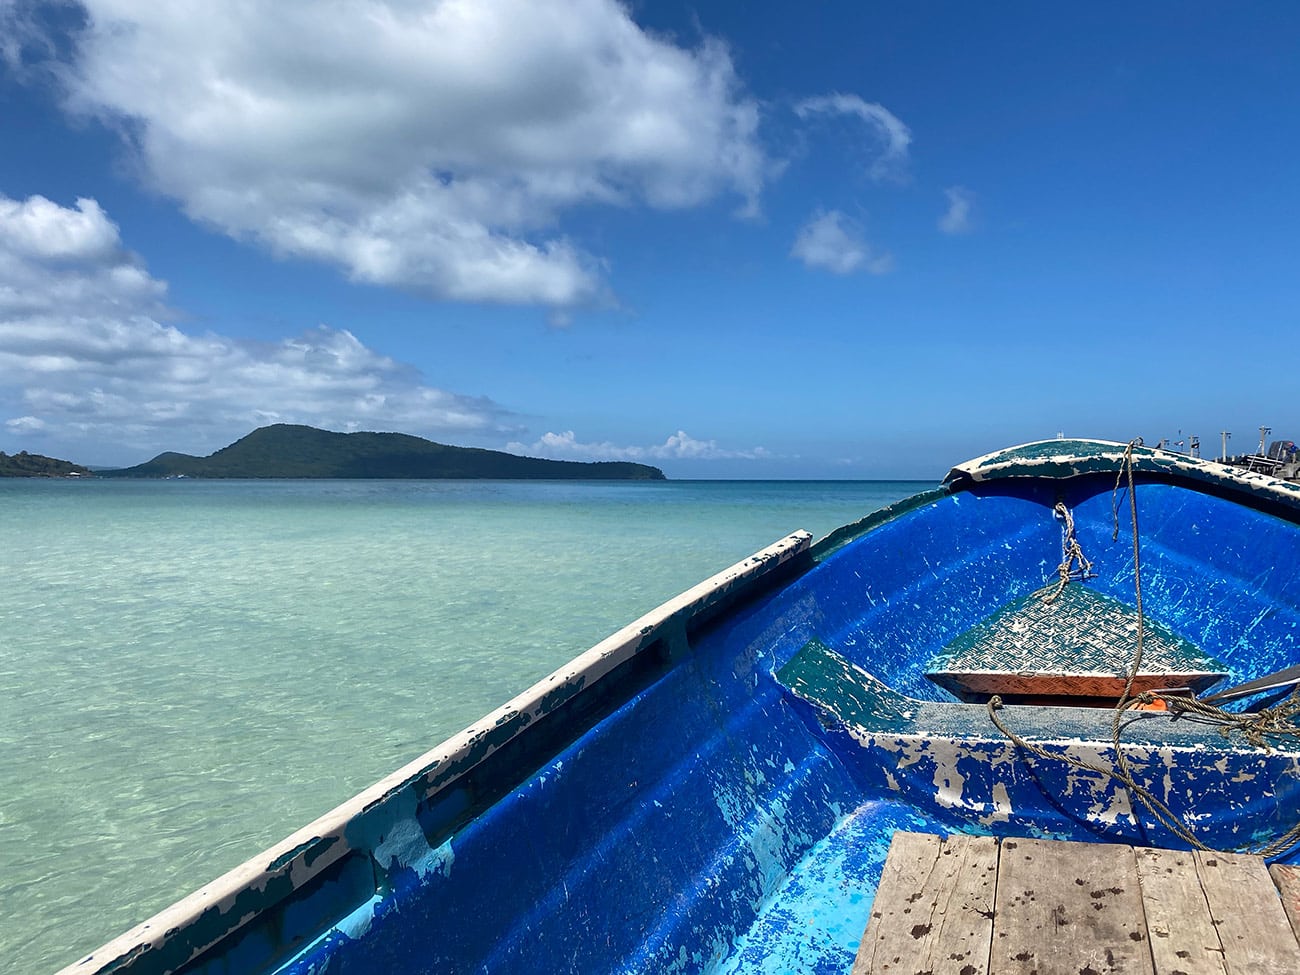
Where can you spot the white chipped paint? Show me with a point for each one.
(1002, 809)
(406, 846)
(1097, 795)
(1080, 783)
(731, 802)
(1114, 808)
(403, 846)
(912, 750)
(949, 783)
(1167, 780)
(765, 831)
(768, 844)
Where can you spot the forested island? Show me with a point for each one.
(23, 464)
(291, 450)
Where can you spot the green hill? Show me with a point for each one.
(23, 464)
(287, 450)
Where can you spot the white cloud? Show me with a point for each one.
(890, 137)
(87, 353)
(679, 446)
(833, 242)
(25, 424)
(426, 144)
(958, 219)
(41, 229)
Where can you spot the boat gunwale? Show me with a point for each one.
(1059, 460)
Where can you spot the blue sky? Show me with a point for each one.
(738, 240)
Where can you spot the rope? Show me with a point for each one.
(1143, 794)
(1124, 774)
(1070, 554)
(1256, 727)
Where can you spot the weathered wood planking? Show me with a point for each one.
(933, 910)
(965, 906)
(1256, 936)
(1179, 924)
(1287, 879)
(1065, 908)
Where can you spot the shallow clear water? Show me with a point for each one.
(189, 670)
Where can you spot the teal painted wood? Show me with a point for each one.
(714, 788)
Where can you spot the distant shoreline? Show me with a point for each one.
(23, 464)
(291, 451)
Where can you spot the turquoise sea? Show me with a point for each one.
(190, 670)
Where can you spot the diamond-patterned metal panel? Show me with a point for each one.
(1080, 645)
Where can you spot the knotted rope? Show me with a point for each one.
(1071, 554)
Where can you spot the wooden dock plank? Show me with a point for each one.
(1256, 935)
(1064, 908)
(933, 910)
(1182, 934)
(1287, 879)
(967, 906)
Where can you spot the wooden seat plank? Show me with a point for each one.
(1063, 908)
(933, 910)
(1256, 935)
(1182, 934)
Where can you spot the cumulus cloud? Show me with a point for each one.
(889, 138)
(430, 145)
(24, 424)
(833, 242)
(42, 229)
(679, 446)
(87, 351)
(958, 219)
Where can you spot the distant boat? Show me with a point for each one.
(714, 787)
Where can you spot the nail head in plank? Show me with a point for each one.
(1065, 908)
(933, 909)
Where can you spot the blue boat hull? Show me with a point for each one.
(715, 788)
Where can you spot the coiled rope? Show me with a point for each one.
(1257, 727)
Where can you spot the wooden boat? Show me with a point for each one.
(714, 787)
